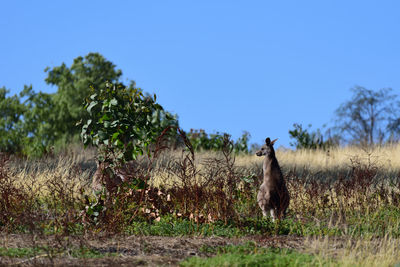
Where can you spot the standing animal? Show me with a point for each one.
(273, 195)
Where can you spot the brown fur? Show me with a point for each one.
(273, 195)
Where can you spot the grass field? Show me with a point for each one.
(344, 210)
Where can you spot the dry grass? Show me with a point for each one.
(355, 252)
(76, 167)
(73, 167)
(387, 157)
(326, 165)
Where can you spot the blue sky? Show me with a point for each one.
(224, 66)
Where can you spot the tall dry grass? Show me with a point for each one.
(74, 166)
(323, 184)
(386, 157)
(347, 251)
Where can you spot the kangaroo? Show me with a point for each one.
(273, 195)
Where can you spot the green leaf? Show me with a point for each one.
(115, 136)
(105, 117)
(102, 135)
(137, 184)
(84, 128)
(89, 210)
(93, 97)
(113, 102)
(114, 123)
(89, 109)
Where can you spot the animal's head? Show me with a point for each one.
(267, 148)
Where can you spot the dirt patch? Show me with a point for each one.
(129, 250)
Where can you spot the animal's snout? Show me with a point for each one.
(259, 153)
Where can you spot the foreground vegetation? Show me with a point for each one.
(250, 254)
(345, 204)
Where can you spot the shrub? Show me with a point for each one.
(200, 140)
(123, 122)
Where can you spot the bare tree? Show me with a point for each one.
(368, 117)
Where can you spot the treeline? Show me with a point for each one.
(34, 123)
(368, 118)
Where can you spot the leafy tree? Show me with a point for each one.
(74, 86)
(11, 111)
(369, 117)
(25, 127)
(122, 123)
(242, 144)
(38, 124)
(200, 140)
(306, 139)
(32, 122)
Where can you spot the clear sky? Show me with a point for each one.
(224, 66)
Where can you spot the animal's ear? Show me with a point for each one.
(267, 141)
(273, 142)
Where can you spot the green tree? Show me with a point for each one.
(25, 125)
(31, 122)
(305, 138)
(73, 86)
(242, 144)
(200, 140)
(38, 126)
(11, 112)
(122, 123)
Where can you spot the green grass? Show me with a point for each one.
(251, 255)
(20, 252)
(28, 252)
(170, 226)
(379, 223)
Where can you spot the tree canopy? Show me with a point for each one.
(73, 86)
(32, 121)
(11, 111)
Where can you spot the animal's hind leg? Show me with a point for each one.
(265, 214)
(273, 215)
(261, 204)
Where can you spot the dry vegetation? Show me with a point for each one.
(345, 203)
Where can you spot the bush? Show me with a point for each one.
(122, 123)
(305, 139)
(200, 140)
